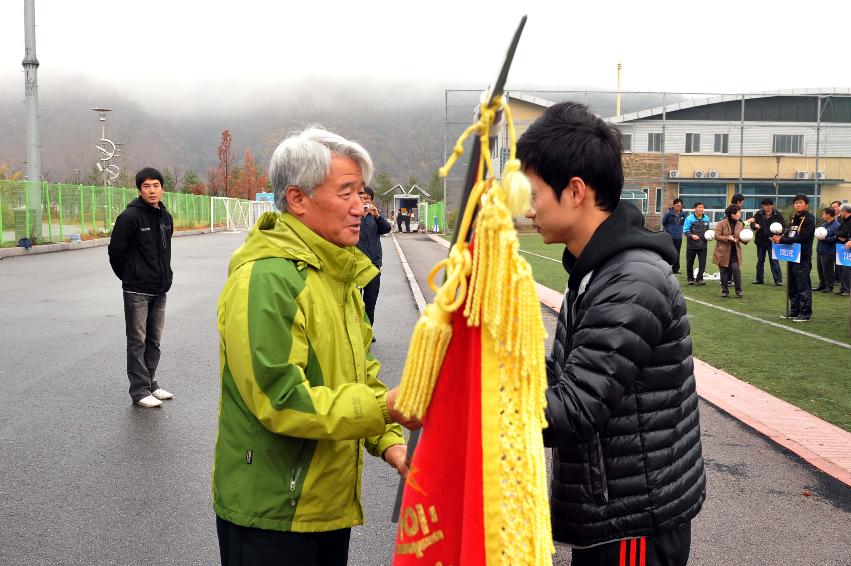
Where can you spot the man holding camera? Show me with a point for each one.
(372, 226)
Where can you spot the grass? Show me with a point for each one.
(801, 370)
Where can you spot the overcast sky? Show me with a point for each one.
(158, 50)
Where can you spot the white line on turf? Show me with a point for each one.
(737, 313)
(415, 288)
(770, 323)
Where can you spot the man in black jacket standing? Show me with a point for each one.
(761, 223)
(801, 230)
(622, 413)
(140, 255)
(372, 226)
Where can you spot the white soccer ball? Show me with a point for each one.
(709, 235)
(746, 235)
(776, 228)
(821, 232)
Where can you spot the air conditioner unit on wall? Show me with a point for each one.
(673, 174)
(820, 175)
(699, 174)
(714, 174)
(802, 174)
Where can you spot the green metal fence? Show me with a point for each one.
(86, 211)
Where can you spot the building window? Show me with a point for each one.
(644, 204)
(626, 141)
(787, 143)
(712, 195)
(658, 200)
(692, 143)
(722, 143)
(654, 142)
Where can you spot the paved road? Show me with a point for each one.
(89, 479)
(756, 512)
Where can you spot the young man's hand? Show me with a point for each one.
(409, 423)
(695, 237)
(396, 456)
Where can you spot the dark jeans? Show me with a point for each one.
(247, 546)
(731, 272)
(406, 220)
(678, 243)
(701, 262)
(844, 276)
(665, 548)
(763, 253)
(144, 316)
(370, 297)
(826, 268)
(800, 288)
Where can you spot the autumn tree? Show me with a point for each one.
(220, 176)
(250, 180)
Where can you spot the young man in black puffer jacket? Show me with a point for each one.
(622, 411)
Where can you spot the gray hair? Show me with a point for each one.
(846, 207)
(303, 160)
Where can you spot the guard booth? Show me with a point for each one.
(407, 200)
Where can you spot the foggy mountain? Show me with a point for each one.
(402, 126)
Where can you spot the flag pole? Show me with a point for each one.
(470, 180)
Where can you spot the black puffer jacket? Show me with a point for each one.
(621, 406)
(140, 248)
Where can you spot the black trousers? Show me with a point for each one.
(800, 288)
(678, 243)
(826, 269)
(731, 273)
(843, 274)
(763, 253)
(406, 220)
(144, 317)
(701, 262)
(246, 546)
(370, 297)
(666, 548)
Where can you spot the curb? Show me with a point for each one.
(68, 246)
(825, 446)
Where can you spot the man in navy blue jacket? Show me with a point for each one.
(826, 250)
(672, 223)
(372, 226)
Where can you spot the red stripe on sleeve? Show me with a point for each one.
(632, 552)
(642, 551)
(623, 553)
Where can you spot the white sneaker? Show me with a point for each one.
(162, 394)
(149, 402)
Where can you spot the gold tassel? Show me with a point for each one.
(425, 357)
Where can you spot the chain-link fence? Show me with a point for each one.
(69, 212)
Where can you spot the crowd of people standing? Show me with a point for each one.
(800, 229)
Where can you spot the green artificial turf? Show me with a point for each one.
(809, 373)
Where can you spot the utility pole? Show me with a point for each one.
(30, 64)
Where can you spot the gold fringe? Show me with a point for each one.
(502, 298)
(425, 357)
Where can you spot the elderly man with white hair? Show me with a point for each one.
(300, 394)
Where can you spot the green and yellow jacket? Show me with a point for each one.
(300, 389)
